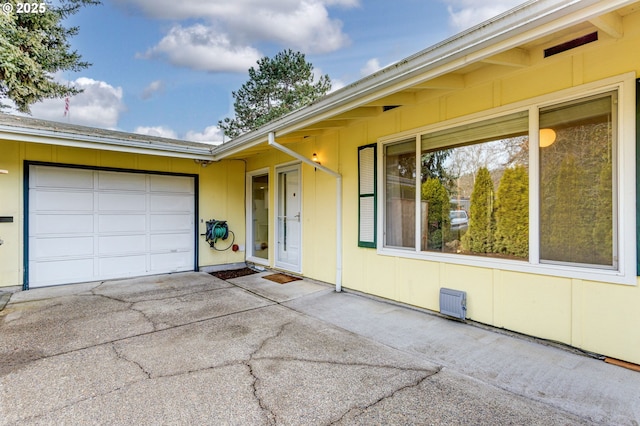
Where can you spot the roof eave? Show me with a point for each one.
(517, 26)
(159, 147)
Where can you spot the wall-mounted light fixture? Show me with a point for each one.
(314, 158)
(3, 172)
(203, 163)
(547, 137)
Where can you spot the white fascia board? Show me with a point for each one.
(523, 24)
(109, 144)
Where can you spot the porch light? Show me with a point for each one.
(314, 158)
(547, 137)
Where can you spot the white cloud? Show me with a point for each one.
(99, 105)
(228, 30)
(464, 14)
(370, 67)
(158, 131)
(212, 135)
(153, 88)
(200, 47)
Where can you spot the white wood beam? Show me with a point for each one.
(513, 58)
(610, 23)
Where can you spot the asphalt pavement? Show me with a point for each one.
(190, 348)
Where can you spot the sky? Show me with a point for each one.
(168, 67)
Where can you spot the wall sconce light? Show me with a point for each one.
(547, 137)
(203, 163)
(3, 172)
(314, 158)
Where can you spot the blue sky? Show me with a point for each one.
(168, 67)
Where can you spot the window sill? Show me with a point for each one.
(523, 266)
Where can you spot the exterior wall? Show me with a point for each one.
(594, 316)
(318, 206)
(221, 195)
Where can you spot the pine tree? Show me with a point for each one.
(34, 46)
(278, 86)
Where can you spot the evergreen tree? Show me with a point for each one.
(512, 213)
(479, 236)
(438, 224)
(278, 86)
(34, 46)
(603, 229)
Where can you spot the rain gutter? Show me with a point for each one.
(338, 176)
(131, 144)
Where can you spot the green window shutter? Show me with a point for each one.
(367, 213)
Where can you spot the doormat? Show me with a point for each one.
(281, 278)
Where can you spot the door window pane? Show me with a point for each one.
(260, 215)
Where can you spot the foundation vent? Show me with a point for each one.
(453, 303)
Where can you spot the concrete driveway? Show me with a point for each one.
(192, 349)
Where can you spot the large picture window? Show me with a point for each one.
(471, 187)
(577, 206)
(474, 188)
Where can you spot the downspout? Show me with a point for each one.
(338, 176)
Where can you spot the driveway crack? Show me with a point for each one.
(359, 410)
(269, 413)
(121, 356)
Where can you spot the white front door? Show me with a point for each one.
(288, 223)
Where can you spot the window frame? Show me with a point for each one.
(624, 186)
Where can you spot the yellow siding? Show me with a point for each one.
(10, 205)
(221, 195)
(595, 316)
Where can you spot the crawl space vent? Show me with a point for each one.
(453, 303)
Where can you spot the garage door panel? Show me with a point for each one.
(178, 261)
(164, 242)
(61, 201)
(60, 224)
(171, 203)
(122, 202)
(122, 223)
(122, 181)
(116, 228)
(121, 244)
(61, 271)
(122, 266)
(168, 222)
(58, 177)
(47, 248)
(161, 183)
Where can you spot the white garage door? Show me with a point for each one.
(89, 225)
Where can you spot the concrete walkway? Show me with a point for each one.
(192, 349)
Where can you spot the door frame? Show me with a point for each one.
(297, 166)
(249, 217)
